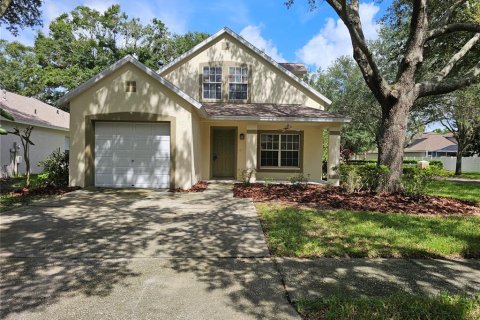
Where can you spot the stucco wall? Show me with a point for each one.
(312, 148)
(152, 102)
(46, 141)
(268, 84)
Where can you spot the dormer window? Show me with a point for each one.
(212, 82)
(238, 83)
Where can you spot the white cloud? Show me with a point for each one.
(333, 40)
(100, 6)
(253, 35)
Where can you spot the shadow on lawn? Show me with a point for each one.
(80, 244)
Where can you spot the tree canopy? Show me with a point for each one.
(17, 14)
(81, 43)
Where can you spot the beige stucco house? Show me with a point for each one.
(219, 109)
(50, 132)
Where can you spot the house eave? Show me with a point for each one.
(279, 119)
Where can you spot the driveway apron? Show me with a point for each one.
(139, 254)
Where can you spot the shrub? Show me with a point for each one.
(55, 172)
(366, 177)
(299, 180)
(247, 175)
(436, 163)
(416, 180)
(350, 178)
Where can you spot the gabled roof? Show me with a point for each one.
(30, 111)
(430, 142)
(270, 112)
(117, 65)
(260, 53)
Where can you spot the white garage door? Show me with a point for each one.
(132, 154)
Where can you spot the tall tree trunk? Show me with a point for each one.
(392, 140)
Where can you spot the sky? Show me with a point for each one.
(294, 34)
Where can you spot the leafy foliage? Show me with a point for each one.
(81, 43)
(299, 180)
(20, 13)
(366, 177)
(55, 169)
(344, 85)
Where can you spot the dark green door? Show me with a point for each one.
(223, 152)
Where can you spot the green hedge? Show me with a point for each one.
(436, 163)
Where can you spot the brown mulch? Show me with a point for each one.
(326, 197)
(200, 186)
(48, 190)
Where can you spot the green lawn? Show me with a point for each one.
(460, 190)
(298, 232)
(469, 175)
(394, 307)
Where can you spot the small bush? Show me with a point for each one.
(299, 180)
(436, 163)
(247, 175)
(269, 182)
(366, 177)
(55, 169)
(416, 180)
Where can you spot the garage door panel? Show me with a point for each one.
(132, 154)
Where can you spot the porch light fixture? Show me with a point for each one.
(242, 136)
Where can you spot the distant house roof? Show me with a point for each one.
(451, 148)
(430, 141)
(268, 111)
(27, 110)
(296, 68)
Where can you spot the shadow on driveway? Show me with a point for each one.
(171, 253)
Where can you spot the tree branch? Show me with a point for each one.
(457, 57)
(428, 88)
(450, 28)
(350, 16)
(445, 18)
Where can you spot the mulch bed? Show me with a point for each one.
(337, 198)
(200, 186)
(42, 191)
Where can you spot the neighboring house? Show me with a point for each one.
(50, 131)
(428, 145)
(220, 109)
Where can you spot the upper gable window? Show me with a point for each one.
(238, 83)
(212, 82)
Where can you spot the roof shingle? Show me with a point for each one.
(267, 110)
(32, 111)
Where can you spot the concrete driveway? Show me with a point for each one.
(138, 254)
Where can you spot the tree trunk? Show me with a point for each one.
(392, 140)
(27, 163)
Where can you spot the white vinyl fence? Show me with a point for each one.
(469, 164)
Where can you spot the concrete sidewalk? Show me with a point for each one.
(377, 277)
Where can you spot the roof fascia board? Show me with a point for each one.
(282, 119)
(37, 125)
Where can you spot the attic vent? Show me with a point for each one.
(130, 86)
(225, 45)
(35, 111)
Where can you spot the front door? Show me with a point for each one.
(223, 152)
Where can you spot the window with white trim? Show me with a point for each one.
(238, 83)
(280, 150)
(212, 83)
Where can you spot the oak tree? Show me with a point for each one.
(430, 23)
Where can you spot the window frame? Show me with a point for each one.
(203, 82)
(244, 80)
(279, 167)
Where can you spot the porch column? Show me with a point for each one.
(251, 150)
(333, 156)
